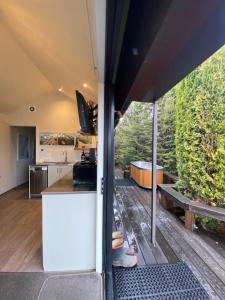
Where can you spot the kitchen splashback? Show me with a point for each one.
(55, 154)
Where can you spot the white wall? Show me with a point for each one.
(13, 172)
(54, 113)
(7, 163)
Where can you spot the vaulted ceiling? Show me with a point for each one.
(45, 45)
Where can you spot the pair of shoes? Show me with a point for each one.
(117, 243)
(124, 257)
(117, 235)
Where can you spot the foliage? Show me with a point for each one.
(200, 131)
(133, 135)
(207, 222)
(166, 133)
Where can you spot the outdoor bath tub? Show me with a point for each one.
(141, 172)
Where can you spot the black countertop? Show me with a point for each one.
(65, 186)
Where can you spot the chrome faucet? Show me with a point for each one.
(65, 158)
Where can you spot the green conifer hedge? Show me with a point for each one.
(166, 154)
(200, 131)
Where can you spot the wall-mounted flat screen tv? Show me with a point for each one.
(84, 114)
(87, 115)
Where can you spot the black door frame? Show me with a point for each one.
(108, 184)
(116, 16)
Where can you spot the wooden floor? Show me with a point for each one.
(20, 232)
(132, 219)
(204, 255)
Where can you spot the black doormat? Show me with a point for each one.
(125, 182)
(158, 282)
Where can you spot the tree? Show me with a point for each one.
(200, 130)
(133, 135)
(166, 132)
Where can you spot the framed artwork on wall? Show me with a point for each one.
(83, 141)
(48, 138)
(66, 139)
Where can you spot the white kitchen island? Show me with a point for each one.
(68, 227)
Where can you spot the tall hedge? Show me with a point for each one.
(133, 135)
(200, 130)
(166, 133)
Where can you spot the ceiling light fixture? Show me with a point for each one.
(60, 89)
(85, 85)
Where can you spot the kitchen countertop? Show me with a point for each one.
(53, 164)
(65, 186)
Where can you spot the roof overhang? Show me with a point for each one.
(152, 45)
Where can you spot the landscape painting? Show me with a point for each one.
(66, 139)
(83, 141)
(48, 138)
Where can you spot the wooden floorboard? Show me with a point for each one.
(136, 223)
(127, 229)
(207, 263)
(139, 227)
(20, 232)
(143, 222)
(217, 242)
(163, 245)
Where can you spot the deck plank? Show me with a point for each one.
(192, 258)
(139, 226)
(144, 220)
(128, 230)
(118, 222)
(209, 255)
(171, 257)
(201, 254)
(205, 261)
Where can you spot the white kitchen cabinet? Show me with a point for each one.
(63, 170)
(55, 172)
(68, 232)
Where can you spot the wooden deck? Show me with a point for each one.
(204, 256)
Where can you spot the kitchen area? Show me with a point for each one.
(43, 175)
(68, 213)
(67, 190)
(49, 219)
(50, 200)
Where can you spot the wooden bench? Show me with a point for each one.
(171, 198)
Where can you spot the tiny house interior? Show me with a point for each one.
(50, 83)
(69, 70)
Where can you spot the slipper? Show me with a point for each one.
(130, 251)
(127, 261)
(122, 259)
(117, 243)
(117, 235)
(123, 251)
